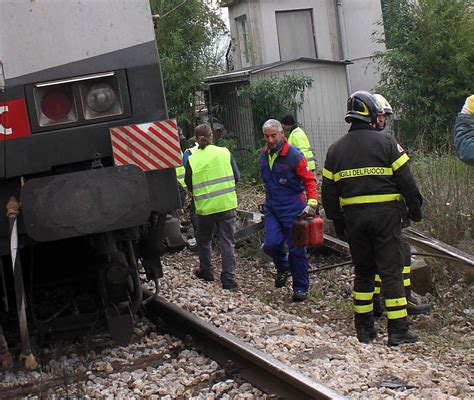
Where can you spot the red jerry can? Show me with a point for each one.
(316, 231)
(300, 232)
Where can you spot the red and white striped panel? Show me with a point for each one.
(151, 146)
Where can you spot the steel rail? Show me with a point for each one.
(263, 371)
(253, 222)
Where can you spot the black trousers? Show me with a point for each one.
(374, 234)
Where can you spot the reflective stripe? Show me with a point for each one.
(363, 295)
(213, 182)
(406, 270)
(328, 174)
(181, 176)
(213, 190)
(311, 159)
(377, 290)
(401, 301)
(365, 171)
(396, 314)
(312, 202)
(364, 309)
(376, 198)
(214, 194)
(399, 162)
(407, 282)
(377, 278)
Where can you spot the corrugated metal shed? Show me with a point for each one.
(322, 115)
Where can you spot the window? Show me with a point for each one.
(295, 34)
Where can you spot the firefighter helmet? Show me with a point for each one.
(387, 108)
(363, 106)
(386, 112)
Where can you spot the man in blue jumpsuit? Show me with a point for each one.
(284, 170)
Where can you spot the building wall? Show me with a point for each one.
(343, 30)
(322, 115)
(325, 27)
(361, 45)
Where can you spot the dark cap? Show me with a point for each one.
(288, 119)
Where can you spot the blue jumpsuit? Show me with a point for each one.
(286, 180)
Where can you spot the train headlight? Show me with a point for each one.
(55, 105)
(101, 97)
(77, 101)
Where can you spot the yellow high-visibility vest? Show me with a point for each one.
(299, 139)
(213, 180)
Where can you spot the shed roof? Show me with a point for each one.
(243, 74)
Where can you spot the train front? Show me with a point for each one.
(87, 164)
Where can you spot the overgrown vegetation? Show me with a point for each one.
(275, 96)
(447, 186)
(270, 97)
(427, 72)
(188, 35)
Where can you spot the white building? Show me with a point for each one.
(266, 31)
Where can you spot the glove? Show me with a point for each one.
(415, 215)
(340, 228)
(309, 211)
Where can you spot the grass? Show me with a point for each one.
(267, 298)
(447, 186)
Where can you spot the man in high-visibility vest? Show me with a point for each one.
(211, 174)
(297, 137)
(192, 147)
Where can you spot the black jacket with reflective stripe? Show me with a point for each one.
(366, 166)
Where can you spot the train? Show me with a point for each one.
(87, 164)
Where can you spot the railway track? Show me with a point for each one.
(238, 358)
(264, 371)
(252, 222)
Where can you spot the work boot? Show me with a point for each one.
(418, 309)
(300, 296)
(407, 336)
(233, 286)
(366, 335)
(281, 279)
(378, 309)
(414, 305)
(205, 276)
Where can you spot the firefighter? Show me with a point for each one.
(297, 137)
(211, 174)
(365, 177)
(286, 176)
(413, 308)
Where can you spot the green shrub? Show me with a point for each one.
(447, 186)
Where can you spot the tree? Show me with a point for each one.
(427, 72)
(275, 96)
(188, 35)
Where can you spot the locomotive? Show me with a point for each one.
(87, 164)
